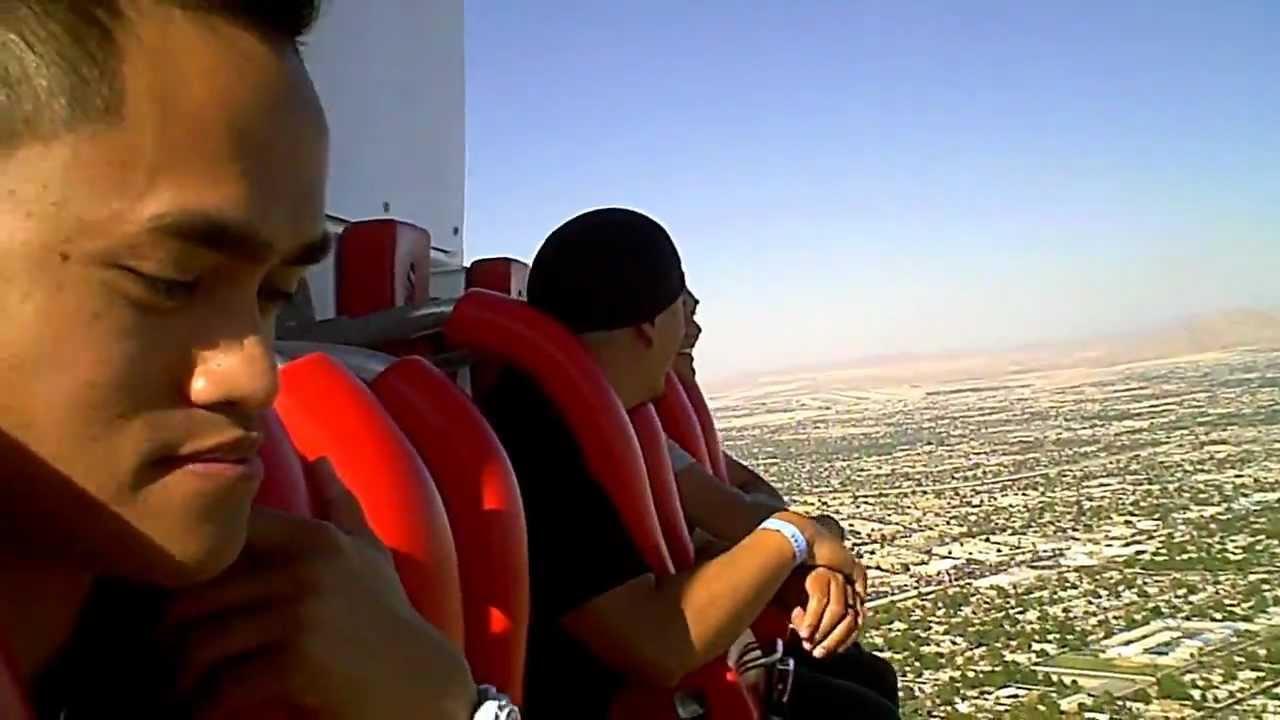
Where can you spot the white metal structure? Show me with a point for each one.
(391, 76)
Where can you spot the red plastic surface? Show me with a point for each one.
(714, 450)
(662, 484)
(523, 338)
(506, 276)
(681, 423)
(329, 413)
(480, 494)
(381, 264)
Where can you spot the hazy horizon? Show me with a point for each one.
(850, 180)
(1048, 348)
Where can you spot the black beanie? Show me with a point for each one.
(606, 269)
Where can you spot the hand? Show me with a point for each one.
(830, 621)
(827, 550)
(312, 616)
(831, 525)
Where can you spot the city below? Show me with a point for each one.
(1088, 542)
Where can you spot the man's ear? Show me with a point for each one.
(646, 332)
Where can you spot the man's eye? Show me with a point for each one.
(168, 289)
(275, 298)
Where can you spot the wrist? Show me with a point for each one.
(801, 549)
(805, 525)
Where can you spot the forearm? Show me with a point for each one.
(766, 498)
(751, 483)
(719, 599)
(719, 510)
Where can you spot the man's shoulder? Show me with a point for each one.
(512, 398)
(527, 421)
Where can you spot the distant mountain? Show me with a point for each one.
(1208, 333)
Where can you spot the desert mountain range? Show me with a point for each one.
(1210, 333)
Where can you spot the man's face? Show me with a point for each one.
(692, 330)
(668, 334)
(141, 266)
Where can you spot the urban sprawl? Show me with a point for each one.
(1076, 544)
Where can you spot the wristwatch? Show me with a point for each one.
(493, 705)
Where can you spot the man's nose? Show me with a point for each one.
(238, 372)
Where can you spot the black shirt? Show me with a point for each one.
(113, 666)
(578, 550)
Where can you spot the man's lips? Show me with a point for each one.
(234, 458)
(248, 469)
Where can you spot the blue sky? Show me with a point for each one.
(849, 179)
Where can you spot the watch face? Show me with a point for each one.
(497, 710)
(495, 706)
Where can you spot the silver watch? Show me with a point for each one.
(493, 705)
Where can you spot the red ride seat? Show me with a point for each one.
(506, 276)
(691, 426)
(381, 264)
(480, 495)
(715, 451)
(681, 423)
(482, 498)
(329, 413)
(519, 336)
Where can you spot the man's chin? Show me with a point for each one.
(192, 566)
(189, 556)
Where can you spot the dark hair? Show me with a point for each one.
(60, 59)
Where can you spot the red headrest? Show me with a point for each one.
(680, 422)
(662, 483)
(529, 341)
(715, 451)
(507, 276)
(482, 498)
(381, 264)
(717, 683)
(329, 413)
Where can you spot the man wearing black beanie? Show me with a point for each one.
(600, 619)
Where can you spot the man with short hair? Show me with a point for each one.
(599, 617)
(162, 185)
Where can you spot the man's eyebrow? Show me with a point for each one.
(234, 239)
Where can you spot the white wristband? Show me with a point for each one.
(799, 545)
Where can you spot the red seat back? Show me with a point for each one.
(684, 422)
(662, 485)
(381, 264)
(523, 338)
(505, 276)
(329, 413)
(681, 423)
(717, 683)
(709, 433)
(482, 499)
(517, 335)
